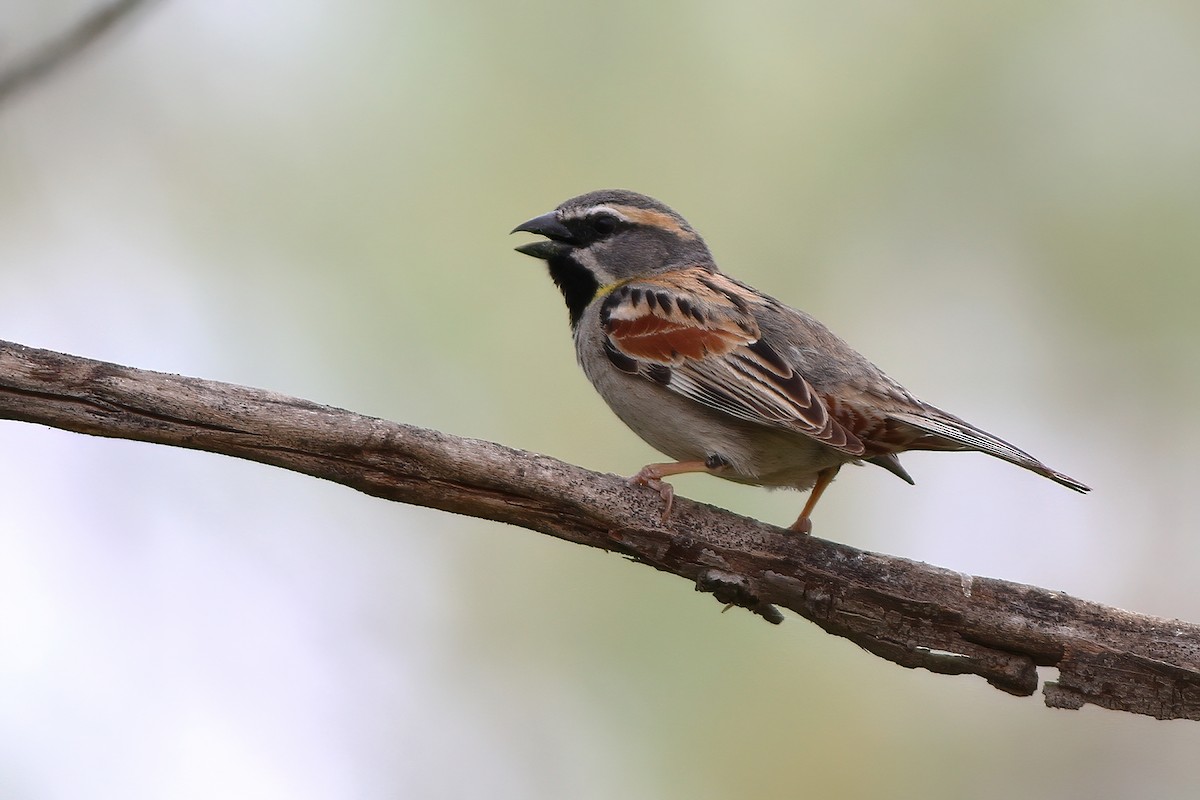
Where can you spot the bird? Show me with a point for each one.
(720, 377)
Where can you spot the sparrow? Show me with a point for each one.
(719, 376)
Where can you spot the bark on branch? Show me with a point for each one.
(910, 613)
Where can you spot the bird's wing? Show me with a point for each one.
(693, 332)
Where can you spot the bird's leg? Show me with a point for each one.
(652, 475)
(824, 478)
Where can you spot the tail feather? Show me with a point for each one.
(891, 462)
(968, 437)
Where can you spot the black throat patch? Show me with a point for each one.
(578, 285)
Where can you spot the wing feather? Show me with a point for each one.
(699, 326)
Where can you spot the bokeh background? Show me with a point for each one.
(998, 203)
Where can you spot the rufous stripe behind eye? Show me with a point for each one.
(654, 219)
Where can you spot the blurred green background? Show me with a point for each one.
(998, 203)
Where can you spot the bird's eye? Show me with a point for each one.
(604, 224)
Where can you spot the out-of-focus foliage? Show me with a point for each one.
(998, 203)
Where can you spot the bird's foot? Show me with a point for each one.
(824, 478)
(802, 525)
(650, 476)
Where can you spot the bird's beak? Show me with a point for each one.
(558, 237)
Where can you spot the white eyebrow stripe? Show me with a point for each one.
(583, 213)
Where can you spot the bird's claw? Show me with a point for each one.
(802, 525)
(651, 477)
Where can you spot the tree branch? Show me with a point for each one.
(912, 614)
(22, 74)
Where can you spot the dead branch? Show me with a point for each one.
(51, 56)
(913, 614)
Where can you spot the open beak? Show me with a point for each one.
(558, 237)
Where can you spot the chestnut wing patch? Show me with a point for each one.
(693, 332)
(662, 324)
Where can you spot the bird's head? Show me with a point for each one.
(604, 238)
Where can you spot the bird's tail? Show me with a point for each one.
(962, 435)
